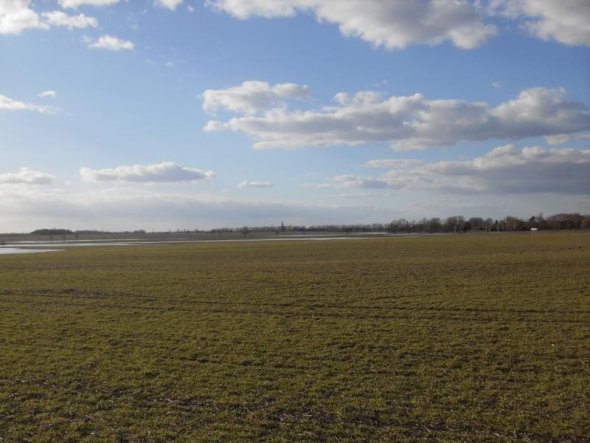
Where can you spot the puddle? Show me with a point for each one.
(5, 251)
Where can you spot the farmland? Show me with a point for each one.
(452, 338)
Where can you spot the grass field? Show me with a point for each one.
(447, 338)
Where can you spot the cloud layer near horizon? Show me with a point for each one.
(404, 122)
(503, 170)
(33, 199)
(121, 209)
(26, 176)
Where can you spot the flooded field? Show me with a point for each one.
(11, 250)
(32, 246)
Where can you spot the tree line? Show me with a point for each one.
(507, 224)
(457, 223)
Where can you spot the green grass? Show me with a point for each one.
(450, 338)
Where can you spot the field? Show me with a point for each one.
(444, 338)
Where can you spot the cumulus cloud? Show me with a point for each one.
(558, 139)
(405, 122)
(393, 163)
(503, 170)
(396, 24)
(9, 104)
(248, 8)
(164, 172)
(255, 184)
(78, 3)
(252, 96)
(26, 176)
(47, 94)
(357, 181)
(16, 16)
(111, 43)
(393, 24)
(60, 18)
(169, 4)
(565, 21)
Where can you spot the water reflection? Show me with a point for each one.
(4, 251)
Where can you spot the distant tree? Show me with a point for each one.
(455, 223)
(513, 224)
(476, 224)
(565, 221)
(52, 232)
(536, 221)
(434, 225)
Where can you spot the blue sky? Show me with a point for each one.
(174, 114)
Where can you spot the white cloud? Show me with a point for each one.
(78, 3)
(8, 104)
(558, 139)
(406, 122)
(393, 24)
(503, 170)
(111, 43)
(342, 98)
(252, 96)
(60, 18)
(244, 9)
(16, 16)
(47, 94)
(356, 181)
(169, 4)
(566, 21)
(255, 184)
(26, 176)
(393, 163)
(164, 172)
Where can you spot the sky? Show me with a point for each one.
(172, 114)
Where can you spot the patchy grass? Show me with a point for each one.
(452, 338)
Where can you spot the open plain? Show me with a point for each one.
(433, 338)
